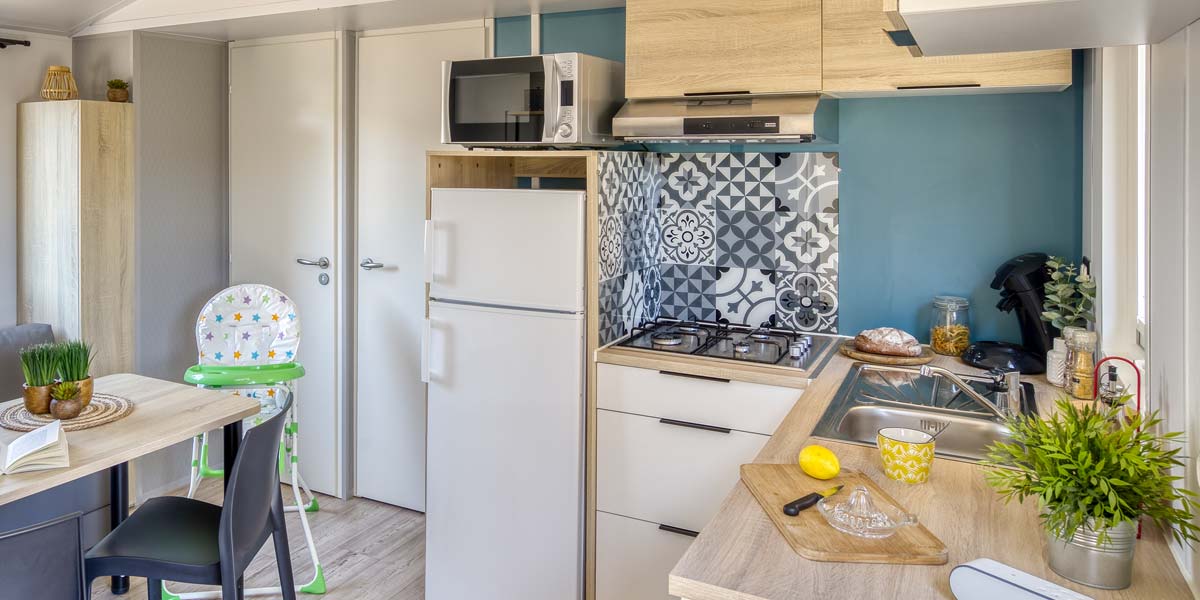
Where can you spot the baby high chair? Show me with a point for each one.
(248, 337)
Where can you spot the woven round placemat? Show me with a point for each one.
(103, 409)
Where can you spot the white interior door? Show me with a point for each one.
(284, 207)
(399, 115)
(505, 511)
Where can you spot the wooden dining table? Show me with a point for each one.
(164, 413)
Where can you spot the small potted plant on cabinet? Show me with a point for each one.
(1095, 472)
(39, 364)
(118, 90)
(75, 364)
(64, 400)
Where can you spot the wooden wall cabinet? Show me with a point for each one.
(75, 224)
(678, 47)
(860, 59)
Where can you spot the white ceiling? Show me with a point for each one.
(52, 16)
(243, 19)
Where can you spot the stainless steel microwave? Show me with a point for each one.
(566, 99)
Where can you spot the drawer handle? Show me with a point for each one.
(948, 86)
(712, 428)
(690, 376)
(679, 530)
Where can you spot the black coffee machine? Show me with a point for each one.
(1021, 282)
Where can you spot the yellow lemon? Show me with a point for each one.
(819, 462)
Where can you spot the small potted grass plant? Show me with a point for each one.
(1095, 472)
(75, 365)
(39, 364)
(118, 90)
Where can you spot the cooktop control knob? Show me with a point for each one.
(565, 130)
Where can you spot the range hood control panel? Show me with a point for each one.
(708, 126)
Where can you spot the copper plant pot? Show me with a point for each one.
(66, 409)
(85, 391)
(118, 95)
(37, 399)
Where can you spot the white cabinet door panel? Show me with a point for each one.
(634, 558)
(667, 473)
(734, 404)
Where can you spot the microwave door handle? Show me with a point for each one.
(549, 125)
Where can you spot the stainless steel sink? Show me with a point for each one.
(873, 397)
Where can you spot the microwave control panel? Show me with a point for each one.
(565, 128)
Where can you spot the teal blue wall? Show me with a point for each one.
(936, 191)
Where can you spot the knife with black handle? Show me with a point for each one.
(794, 507)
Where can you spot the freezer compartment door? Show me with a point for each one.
(521, 248)
(504, 511)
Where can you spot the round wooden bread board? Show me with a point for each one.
(849, 349)
(103, 409)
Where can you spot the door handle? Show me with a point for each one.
(690, 425)
(428, 251)
(322, 262)
(679, 530)
(369, 264)
(426, 342)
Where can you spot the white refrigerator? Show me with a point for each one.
(504, 359)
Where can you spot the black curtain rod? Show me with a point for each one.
(5, 42)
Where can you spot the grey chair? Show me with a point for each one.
(43, 561)
(189, 541)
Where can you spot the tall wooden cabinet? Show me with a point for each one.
(75, 224)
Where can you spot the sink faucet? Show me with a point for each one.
(1007, 383)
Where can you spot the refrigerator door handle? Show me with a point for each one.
(426, 342)
(429, 251)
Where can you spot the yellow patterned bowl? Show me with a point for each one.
(907, 453)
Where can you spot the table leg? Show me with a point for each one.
(118, 511)
(233, 439)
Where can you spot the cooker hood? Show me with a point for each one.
(731, 118)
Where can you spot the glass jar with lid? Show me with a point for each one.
(1081, 371)
(950, 332)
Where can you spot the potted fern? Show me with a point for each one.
(39, 364)
(1095, 472)
(75, 365)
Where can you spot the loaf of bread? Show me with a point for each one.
(889, 341)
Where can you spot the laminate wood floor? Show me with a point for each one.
(370, 551)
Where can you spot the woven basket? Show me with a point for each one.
(59, 84)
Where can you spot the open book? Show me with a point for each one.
(40, 449)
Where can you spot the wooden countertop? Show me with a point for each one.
(164, 413)
(740, 555)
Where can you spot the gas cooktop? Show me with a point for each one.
(764, 345)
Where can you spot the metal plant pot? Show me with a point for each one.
(1083, 560)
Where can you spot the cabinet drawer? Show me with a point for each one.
(734, 404)
(664, 472)
(634, 558)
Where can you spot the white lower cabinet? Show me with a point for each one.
(667, 471)
(633, 558)
(668, 450)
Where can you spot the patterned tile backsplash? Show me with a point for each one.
(744, 238)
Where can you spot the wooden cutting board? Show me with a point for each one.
(815, 539)
(852, 351)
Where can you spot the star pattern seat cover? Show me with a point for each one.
(248, 325)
